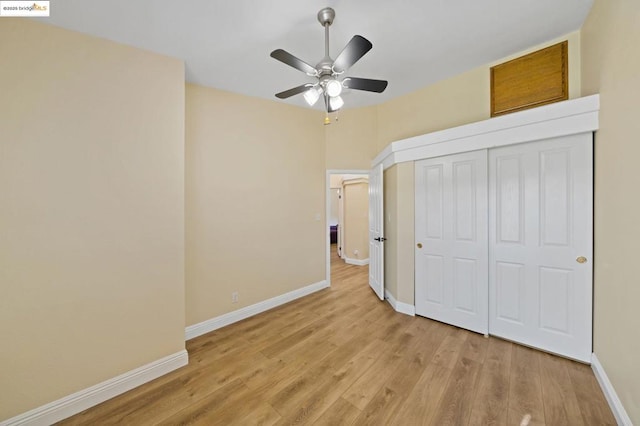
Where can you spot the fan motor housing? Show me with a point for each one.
(324, 67)
(326, 16)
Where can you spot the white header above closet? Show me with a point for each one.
(559, 119)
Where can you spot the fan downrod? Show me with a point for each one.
(326, 16)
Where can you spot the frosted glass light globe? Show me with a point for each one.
(333, 88)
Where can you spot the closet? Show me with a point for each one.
(503, 242)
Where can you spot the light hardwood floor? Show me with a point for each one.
(342, 357)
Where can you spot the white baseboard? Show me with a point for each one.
(249, 311)
(610, 393)
(86, 398)
(403, 308)
(358, 262)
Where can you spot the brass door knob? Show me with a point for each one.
(581, 259)
(419, 245)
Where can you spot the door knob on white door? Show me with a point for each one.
(581, 259)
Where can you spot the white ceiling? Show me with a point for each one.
(226, 44)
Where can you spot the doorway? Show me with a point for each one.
(347, 213)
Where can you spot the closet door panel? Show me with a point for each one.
(509, 291)
(451, 240)
(509, 198)
(540, 224)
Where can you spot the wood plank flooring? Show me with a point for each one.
(343, 357)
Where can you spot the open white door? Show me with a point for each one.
(340, 222)
(376, 231)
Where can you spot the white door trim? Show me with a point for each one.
(615, 404)
(549, 121)
(340, 239)
(403, 308)
(69, 405)
(328, 212)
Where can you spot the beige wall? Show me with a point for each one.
(406, 234)
(92, 216)
(356, 220)
(351, 141)
(611, 67)
(254, 185)
(399, 225)
(458, 100)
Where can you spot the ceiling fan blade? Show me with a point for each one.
(291, 92)
(352, 52)
(289, 59)
(367, 84)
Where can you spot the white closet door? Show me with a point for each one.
(451, 240)
(540, 244)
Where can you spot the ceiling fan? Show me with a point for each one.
(329, 72)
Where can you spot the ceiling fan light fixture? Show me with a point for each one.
(336, 103)
(329, 72)
(312, 95)
(333, 88)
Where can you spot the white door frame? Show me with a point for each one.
(328, 211)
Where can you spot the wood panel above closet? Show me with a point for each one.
(532, 80)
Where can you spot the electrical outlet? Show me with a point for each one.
(355, 253)
(234, 297)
